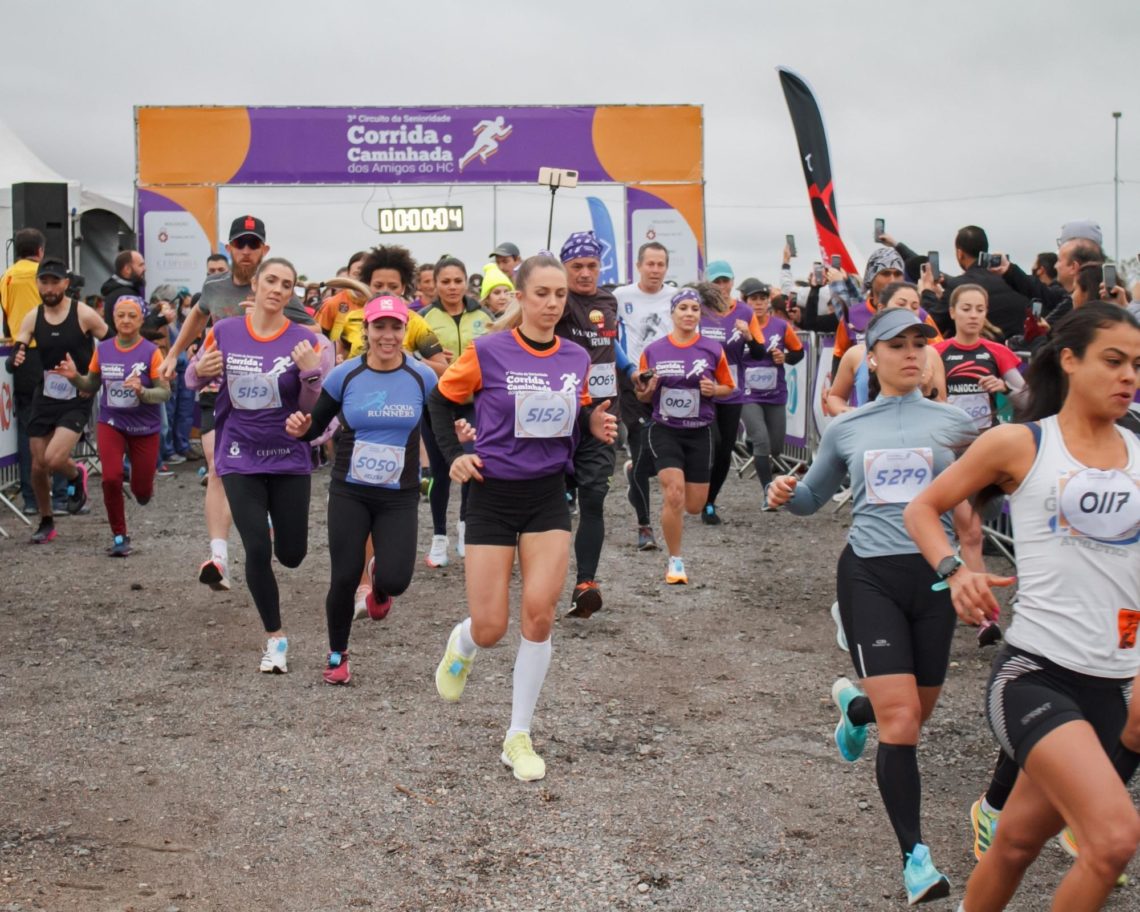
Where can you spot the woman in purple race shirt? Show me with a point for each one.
(268, 368)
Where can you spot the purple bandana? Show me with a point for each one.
(581, 245)
(685, 294)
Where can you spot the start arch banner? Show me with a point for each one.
(184, 154)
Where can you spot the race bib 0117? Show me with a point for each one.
(1102, 504)
(897, 475)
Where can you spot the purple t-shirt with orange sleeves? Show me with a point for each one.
(119, 406)
(762, 379)
(680, 367)
(259, 390)
(526, 403)
(722, 328)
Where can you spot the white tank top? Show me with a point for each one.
(1077, 535)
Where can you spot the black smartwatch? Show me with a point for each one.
(948, 566)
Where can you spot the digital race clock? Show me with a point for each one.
(408, 219)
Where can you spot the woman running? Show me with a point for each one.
(268, 369)
(375, 489)
(771, 343)
(125, 371)
(899, 630)
(725, 321)
(455, 319)
(681, 374)
(1060, 688)
(529, 389)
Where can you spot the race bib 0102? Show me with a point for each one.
(254, 392)
(376, 463)
(897, 475)
(680, 403)
(57, 386)
(977, 406)
(760, 379)
(602, 381)
(544, 414)
(120, 395)
(1102, 504)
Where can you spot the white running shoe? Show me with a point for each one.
(359, 603)
(276, 654)
(840, 636)
(460, 548)
(437, 557)
(213, 574)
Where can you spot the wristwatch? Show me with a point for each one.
(948, 566)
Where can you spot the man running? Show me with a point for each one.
(590, 320)
(643, 316)
(60, 328)
(222, 296)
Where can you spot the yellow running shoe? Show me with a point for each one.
(451, 675)
(519, 755)
(985, 825)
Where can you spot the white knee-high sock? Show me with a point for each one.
(467, 647)
(531, 665)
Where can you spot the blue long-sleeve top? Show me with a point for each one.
(892, 448)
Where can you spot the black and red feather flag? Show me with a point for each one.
(812, 139)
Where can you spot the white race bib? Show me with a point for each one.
(602, 383)
(544, 414)
(121, 396)
(897, 475)
(57, 386)
(680, 403)
(254, 392)
(376, 463)
(761, 379)
(976, 405)
(1100, 504)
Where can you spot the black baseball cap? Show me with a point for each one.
(247, 225)
(506, 249)
(749, 287)
(56, 268)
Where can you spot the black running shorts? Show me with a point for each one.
(688, 449)
(1029, 696)
(49, 414)
(499, 511)
(894, 623)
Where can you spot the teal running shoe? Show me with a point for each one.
(850, 739)
(924, 882)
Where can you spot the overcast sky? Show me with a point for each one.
(938, 115)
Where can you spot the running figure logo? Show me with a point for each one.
(569, 383)
(488, 135)
(280, 365)
(699, 367)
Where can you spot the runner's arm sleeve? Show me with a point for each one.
(93, 379)
(813, 320)
(192, 379)
(624, 365)
(463, 379)
(442, 414)
(722, 374)
(323, 413)
(823, 478)
(787, 284)
(155, 395)
(795, 348)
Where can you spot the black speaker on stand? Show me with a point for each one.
(43, 206)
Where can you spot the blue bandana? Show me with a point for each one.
(580, 245)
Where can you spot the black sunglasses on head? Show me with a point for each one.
(246, 242)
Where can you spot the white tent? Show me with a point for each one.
(99, 221)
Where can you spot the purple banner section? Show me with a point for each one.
(409, 145)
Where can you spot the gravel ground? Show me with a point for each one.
(146, 765)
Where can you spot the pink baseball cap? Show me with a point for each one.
(386, 306)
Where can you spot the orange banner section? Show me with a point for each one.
(687, 199)
(638, 144)
(191, 145)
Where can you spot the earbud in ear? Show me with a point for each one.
(872, 362)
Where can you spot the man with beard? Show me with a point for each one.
(591, 320)
(222, 296)
(129, 279)
(59, 328)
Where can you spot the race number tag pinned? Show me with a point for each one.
(680, 403)
(119, 395)
(977, 406)
(760, 379)
(376, 463)
(897, 475)
(1103, 504)
(603, 381)
(254, 392)
(544, 414)
(57, 386)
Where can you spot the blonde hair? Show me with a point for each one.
(511, 317)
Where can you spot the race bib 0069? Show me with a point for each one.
(602, 381)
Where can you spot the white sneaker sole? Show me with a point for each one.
(507, 762)
(840, 635)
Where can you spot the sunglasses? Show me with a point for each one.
(246, 242)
